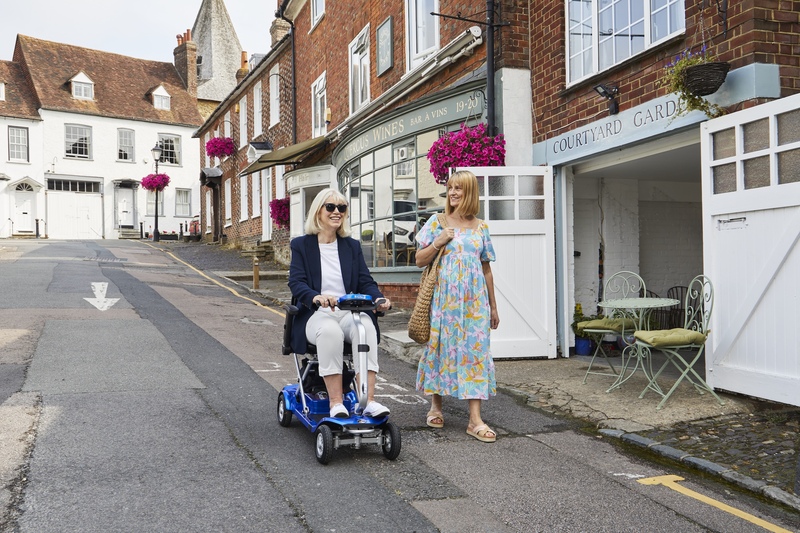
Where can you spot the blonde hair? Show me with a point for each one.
(469, 205)
(325, 196)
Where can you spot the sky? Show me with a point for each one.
(126, 27)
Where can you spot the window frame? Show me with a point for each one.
(132, 154)
(415, 57)
(68, 154)
(2, 91)
(82, 90)
(161, 101)
(228, 203)
(359, 70)
(11, 145)
(258, 109)
(243, 203)
(151, 204)
(319, 97)
(180, 206)
(596, 16)
(255, 186)
(274, 95)
(170, 156)
(317, 12)
(243, 121)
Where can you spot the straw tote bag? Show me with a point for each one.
(419, 325)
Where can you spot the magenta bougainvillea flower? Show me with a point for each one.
(467, 147)
(155, 182)
(279, 211)
(220, 147)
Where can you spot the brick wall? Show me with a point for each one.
(761, 31)
(402, 295)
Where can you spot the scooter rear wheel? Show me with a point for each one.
(324, 444)
(391, 441)
(284, 414)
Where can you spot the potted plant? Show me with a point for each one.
(220, 147)
(583, 345)
(279, 211)
(693, 76)
(367, 234)
(467, 147)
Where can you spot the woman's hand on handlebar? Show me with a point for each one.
(384, 304)
(325, 300)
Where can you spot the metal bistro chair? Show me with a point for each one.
(676, 313)
(623, 284)
(692, 336)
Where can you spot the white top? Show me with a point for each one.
(332, 282)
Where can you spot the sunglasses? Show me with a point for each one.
(341, 207)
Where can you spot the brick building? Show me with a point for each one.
(577, 89)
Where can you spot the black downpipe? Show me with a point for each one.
(279, 14)
(489, 68)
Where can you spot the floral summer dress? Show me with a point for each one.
(457, 361)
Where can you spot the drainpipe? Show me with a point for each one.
(279, 14)
(490, 67)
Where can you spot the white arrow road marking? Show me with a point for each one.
(100, 301)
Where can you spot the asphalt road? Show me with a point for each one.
(158, 414)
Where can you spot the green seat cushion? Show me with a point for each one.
(607, 324)
(671, 337)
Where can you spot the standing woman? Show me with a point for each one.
(457, 361)
(326, 264)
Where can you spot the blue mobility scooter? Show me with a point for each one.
(308, 400)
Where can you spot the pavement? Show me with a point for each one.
(749, 443)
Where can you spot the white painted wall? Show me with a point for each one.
(514, 115)
(104, 164)
(15, 171)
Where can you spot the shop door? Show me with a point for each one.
(517, 204)
(751, 249)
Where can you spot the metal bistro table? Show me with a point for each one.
(639, 310)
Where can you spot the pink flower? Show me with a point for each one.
(155, 182)
(220, 147)
(279, 211)
(465, 147)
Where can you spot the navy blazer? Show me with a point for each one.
(305, 280)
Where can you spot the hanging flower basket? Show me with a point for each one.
(155, 182)
(279, 211)
(467, 147)
(220, 147)
(705, 78)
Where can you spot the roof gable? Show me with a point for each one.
(19, 101)
(122, 83)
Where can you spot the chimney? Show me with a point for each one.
(185, 55)
(278, 30)
(243, 70)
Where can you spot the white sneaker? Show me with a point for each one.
(374, 409)
(339, 411)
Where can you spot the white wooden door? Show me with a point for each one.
(125, 208)
(73, 215)
(517, 203)
(751, 229)
(23, 210)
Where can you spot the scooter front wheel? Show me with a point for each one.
(284, 414)
(324, 444)
(391, 441)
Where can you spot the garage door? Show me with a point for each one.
(74, 215)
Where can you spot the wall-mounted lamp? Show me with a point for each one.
(610, 94)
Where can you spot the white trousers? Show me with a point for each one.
(328, 331)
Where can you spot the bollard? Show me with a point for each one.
(256, 275)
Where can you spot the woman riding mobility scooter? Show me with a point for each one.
(308, 400)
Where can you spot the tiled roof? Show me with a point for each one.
(121, 84)
(19, 99)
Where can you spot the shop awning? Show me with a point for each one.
(289, 155)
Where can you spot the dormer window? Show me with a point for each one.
(2, 91)
(161, 98)
(82, 87)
